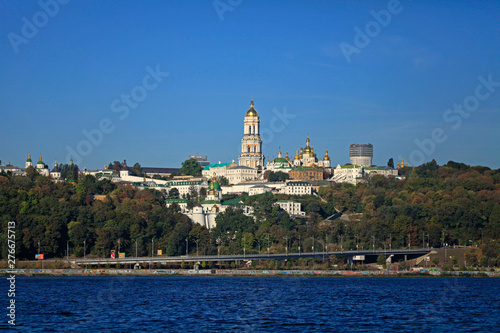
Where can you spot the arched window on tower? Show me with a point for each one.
(249, 129)
(253, 129)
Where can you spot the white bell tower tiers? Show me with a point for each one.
(251, 144)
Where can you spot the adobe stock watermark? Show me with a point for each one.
(431, 313)
(279, 121)
(11, 263)
(30, 28)
(120, 106)
(372, 29)
(453, 116)
(277, 124)
(222, 6)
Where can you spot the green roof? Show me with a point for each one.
(209, 202)
(286, 201)
(232, 202)
(176, 200)
(306, 168)
(350, 166)
(218, 165)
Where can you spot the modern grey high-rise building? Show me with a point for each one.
(361, 154)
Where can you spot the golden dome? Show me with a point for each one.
(308, 149)
(297, 156)
(326, 158)
(252, 112)
(287, 157)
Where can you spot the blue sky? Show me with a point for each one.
(393, 92)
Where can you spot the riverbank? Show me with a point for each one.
(238, 272)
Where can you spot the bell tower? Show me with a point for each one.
(251, 144)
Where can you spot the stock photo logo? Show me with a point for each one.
(373, 28)
(454, 116)
(223, 6)
(31, 27)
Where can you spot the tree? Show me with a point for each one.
(278, 176)
(223, 181)
(472, 258)
(390, 163)
(191, 167)
(173, 193)
(381, 259)
(435, 261)
(136, 170)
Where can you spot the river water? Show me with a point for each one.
(256, 304)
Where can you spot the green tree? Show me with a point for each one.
(278, 176)
(435, 261)
(472, 258)
(173, 193)
(390, 163)
(381, 259)
(191, 167)
(136, 170)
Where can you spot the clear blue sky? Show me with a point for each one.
(287, 55)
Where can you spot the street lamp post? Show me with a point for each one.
(187, 246)
(84, 258)
(390, 242)
(268, 245)
(286, 245)
(244, 248)
(299, 245)
(482, 236)
(152, 251)
(324, 246)
(373, 243)
(136, 248)
(197, 247)
(341, 243)
(39, 252)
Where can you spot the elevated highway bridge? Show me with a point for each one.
(365, 255)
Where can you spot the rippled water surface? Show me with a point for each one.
(256, 304)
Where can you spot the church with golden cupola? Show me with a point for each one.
(308, 158)
(305, 158)
(251, 144)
